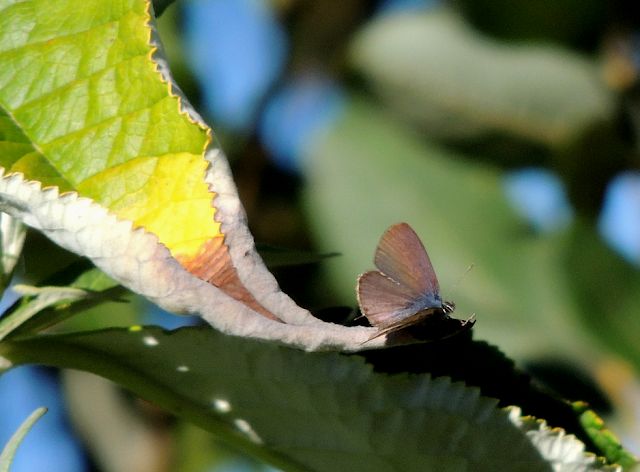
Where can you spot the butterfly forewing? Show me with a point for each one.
(402, 257)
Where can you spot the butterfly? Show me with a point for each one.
(404, 291)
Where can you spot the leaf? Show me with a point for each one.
(563, 451)
(310, 411)
(9, 451)
(109, 160)
(90, 104)
(134, 259)
(87, 97)
(438, 72)
(51, 305)
(607, 290)
(606, 440)
(276, 256)
(94, 280)
(42, 298)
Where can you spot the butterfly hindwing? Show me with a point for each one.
(386, 304)
(383, 301)
(410, 320)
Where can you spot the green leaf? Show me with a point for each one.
(95, 280)
(42, 307)
(277, 257)
(606, 440)
(84, 107)
(606, 288)
(309, 411)
(9, 451)
(40, 298)
(439, 73)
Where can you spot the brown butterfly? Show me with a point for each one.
(404, 291)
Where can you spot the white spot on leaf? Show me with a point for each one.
(221, 405)
(245, 427)
(150, 341)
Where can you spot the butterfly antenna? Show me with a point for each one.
(462, 277)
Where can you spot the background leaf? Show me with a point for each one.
(516, 288)
(453, 82)
(9, 451)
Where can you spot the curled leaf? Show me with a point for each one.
(110, 161)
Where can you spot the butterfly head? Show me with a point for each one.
(448, 307)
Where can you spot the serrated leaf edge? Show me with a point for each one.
(136, 259)
(564, 451)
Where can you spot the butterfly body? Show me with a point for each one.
(404, 291)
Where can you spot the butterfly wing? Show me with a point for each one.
(385, 302)
(445, 327)
(409, 320)
(402, 257)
